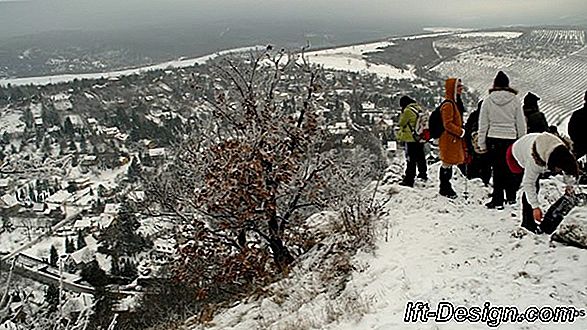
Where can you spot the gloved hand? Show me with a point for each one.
(569, 189)
(537, 213)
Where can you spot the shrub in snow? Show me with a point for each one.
(257, 166)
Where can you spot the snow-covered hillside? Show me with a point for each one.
(550, 63)
(431, 249)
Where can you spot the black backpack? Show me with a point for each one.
(435, 125)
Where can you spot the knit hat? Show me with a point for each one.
(562, 158)
(531, 99)
(585, 98)
(501, 80)
(404, 101)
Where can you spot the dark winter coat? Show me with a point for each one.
(578, 130)
(535, 120)
(471, 126)
(461, 106)
(451, 142)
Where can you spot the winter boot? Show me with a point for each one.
(406, 182)
(423, 176)
(492, 205)
(445, 187)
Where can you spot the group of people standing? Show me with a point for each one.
(502, 139)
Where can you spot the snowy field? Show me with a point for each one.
(350, 58)
(496, 34)
(432, 249)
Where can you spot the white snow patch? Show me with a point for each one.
(10, 123)
(496, 34)
(350, 58)
(357, 50)
(351, 64)
(445, 29)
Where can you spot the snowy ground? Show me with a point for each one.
(437, 250)
(466, 254)
(10, 121)
(350, 58)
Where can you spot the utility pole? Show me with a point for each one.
(61, 259)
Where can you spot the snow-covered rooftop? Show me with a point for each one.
(105, 220)
(157, 152)
(82, 224)
(112, 208)
(83, 256)
(8, 201)
(59, 197)
(137, 196)
(164, 245)
(39, 207)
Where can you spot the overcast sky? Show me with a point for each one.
(25, 17)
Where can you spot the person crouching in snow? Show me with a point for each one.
(534, 154)
(414, 149)
(451, 142)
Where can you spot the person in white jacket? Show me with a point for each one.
(501, 122)
(534, 154)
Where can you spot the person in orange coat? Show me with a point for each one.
(451, 143)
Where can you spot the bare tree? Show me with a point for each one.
(28, 224)
(254, 167)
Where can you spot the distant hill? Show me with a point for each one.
(549, 61)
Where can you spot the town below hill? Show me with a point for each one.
(79, 221)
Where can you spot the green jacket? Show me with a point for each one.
(407, 123)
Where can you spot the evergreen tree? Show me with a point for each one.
(134, 170)
(7, 224)
(6, 138)
(81, 242)
(83, 144)
(52, 297)
(72, 146)
(129, 270)
(115, 269)
(68, 127)
(93, 274)
(121, 237)
(28, 118)
(102, 311)
(69, 247)
(62, 147)
(53, 256)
